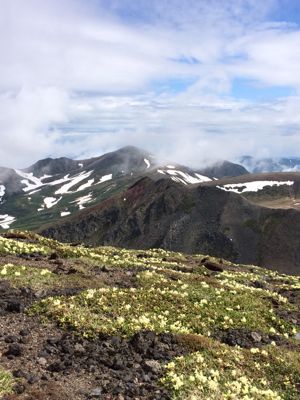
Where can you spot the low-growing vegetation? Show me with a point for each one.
(6, 382)
(198, 299)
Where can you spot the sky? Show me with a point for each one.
(189, 80)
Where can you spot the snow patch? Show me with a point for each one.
(34, 191)
(86, 185)
(2, 192)
(80, 165)
(66, 178)
(31, 182)
(175, 179)
(6, 220)
(105, 178)
(80, 201)
(73, 181)
(64, 213)
(183, 177)
(147, 162)
(252, 186)
(51, 201)
(203, 178)
(34, 184)
(187, 177)
(45, 177)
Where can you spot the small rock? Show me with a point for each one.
(259, 285)
(39, 293)
(10, 339)
(53, 256)
(105, 269)
(79, 348)
(32, 379)
(97, 392)
(14, 306)
(213, 266)
(42, 361)
(55, 367)
(152, 366)
(52, 341)
(24, 332)
(23, 340)
(43, 354)
(18, 373)
(58, 262)
(14, 350)
(19, 388)
(256, 336)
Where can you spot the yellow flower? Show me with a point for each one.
(120, 320)
(254, 350)
(45, 272)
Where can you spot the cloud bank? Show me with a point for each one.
(192, 81)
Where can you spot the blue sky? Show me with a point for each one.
(194, 81)
(286, 10)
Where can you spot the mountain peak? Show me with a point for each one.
(52, 166)
(131, 149)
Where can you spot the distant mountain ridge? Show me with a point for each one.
(52, 189)
(259, 165)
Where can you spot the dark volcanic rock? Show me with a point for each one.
(13, 300)
(14, 349)
(245, 338)
(213, 266)
(123, 367)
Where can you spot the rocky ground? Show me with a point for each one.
(50, 363)
(79, 323)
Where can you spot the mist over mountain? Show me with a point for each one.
(277, 164)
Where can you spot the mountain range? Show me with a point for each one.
(279, 164)
(129, 198)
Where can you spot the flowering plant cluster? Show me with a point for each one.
(176, 293)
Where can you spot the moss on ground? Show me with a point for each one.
(6, 382)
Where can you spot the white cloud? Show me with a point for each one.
(26, 119)
(78, 78)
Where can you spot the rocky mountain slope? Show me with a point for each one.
(164, 214)
(109, 323)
